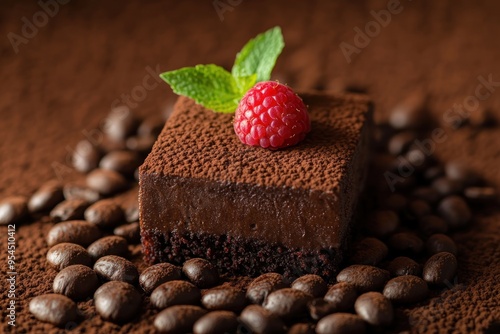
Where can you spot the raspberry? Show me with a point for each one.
(272, 116)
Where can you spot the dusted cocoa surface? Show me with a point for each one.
(65, 79)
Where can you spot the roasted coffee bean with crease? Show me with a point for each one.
(301, 328)
(69, 210)
(341, 323)
(287, 303)
(201, 273)
(363, 277)
(131, 232)
(77, 282)
(54, 308)
(438, 243)
(67, 254)
(319, 308)
(111, 245)
(459, 171)
(440, 269)
(78, 232)
(311, 284)
(260, 320)
(77, 191)
(175, 293)
(104, 213)
(117, 301)
(123, 162)
(369, 251)
(403, 265)
(178, 319)
(46, 197)
(342, 295)
(116, 268)
(158, 274)
(85, 156)
(446, 187)
(106, 182)
(382, 223)
(455, 211)
(406, 242)
(13, 209)
(120, 123)
(375, 309)
(406, 289)
(263, 285)
(432, 224)
(131, 210)
(216, 322)
(224, 298)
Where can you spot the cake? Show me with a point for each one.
(250, 210)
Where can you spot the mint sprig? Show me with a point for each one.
(217, 89)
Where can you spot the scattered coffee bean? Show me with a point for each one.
(106, 182)
(455, 211)
(301, 328)
(151, 126)
(260, 320)
(319, 308)
(395, 202)
(77, 282)
(427, 194)
(459, 171)
(140, 144)
(178, 319)
(410, 112)
(77, 191)
(131, 210)
(480, 194)
(78, 232)
(369, 251)
(440, 268)
(131, 232)
(374, 308)
(85, 156)
(432, 224)
(311, 284)
(69, 209)
(12, 209)
(46, 197)
(54, 308)
(104, 213)
(175, 293)
(406, 289)
(287, 303)
(67, 254)
(417, 158)
(111, 245)
(446, 187)
(117, 301)
(341, 323)
(116, 268)
(342, 295)
(263, 285)
(382, 223)
(402, 265)
(419, 208)
(438, 243)
(216, 322)
(224, 298)
(120, 123)
(406, 242)
(158, 274)
(433, 173)
(201, 272)
(363, 277)
(123, 162)
(400, 142)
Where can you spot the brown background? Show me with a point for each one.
(65, 79)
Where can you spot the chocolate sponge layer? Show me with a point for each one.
(203, 193)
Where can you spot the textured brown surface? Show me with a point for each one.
(68, 75)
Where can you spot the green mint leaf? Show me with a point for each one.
(259, 55)
(245, 83)
(209, 85)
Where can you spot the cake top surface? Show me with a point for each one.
(199, 143)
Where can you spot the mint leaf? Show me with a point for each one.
(209, 85)
(245, 83)
(259, 55)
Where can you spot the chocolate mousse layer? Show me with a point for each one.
(252, 210)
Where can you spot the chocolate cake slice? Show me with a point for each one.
(250, 210)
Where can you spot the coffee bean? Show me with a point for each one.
(460, 172)
(406, 242)
(120, 123)
(446, 187)
(455, 211)
(111, 245)
(140, 144)
(374, 308)
(12, 209)
(480, 194)
(342, 295)
(311, 284)
(438, 243)
(116, 268)
(178, 319)
(104, 213)
(400, 142)
(53, 308)
(85, 156)
(151, 126)
(410, 112)
(175, 293)
(224, 298)
(395, 202)
(417, 158)
(78, 232)
(341, 323)
(363, 277)
(77, 282)
(287, 303)
(131, 209)
(76, 191)
(117, 301)
(263, 285)
(216, 322)
(419, 208)
(301, 328)
(106, 182)
(440, 268)
(319, 308)
(406, 289)
(432, 224)
(427, 194)
(46, 197)
(158, 274)
(69, 210)
(201, 272)
(67, 254)
(123, 162)
(131, 232)
(433, 173)
(382, 223)
(262, 321)
(369, 251)
(402, 265)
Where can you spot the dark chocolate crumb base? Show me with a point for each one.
(240, 256)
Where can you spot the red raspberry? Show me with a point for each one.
(272, 116)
